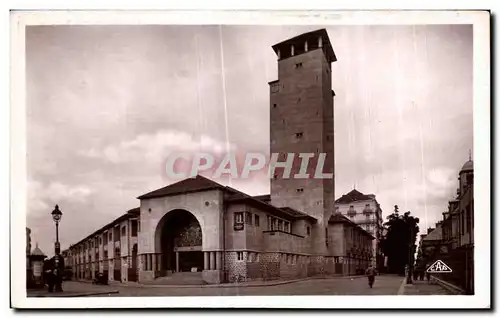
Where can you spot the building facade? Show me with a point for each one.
(452, 241)
(365, 211)
(201, 230)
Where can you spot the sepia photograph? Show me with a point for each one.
(165, 156)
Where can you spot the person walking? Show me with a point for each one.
(370, 273)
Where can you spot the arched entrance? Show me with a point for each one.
(178, 240)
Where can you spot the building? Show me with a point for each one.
(28, 253)
(452, 241)
(198, 230)
(28, 247)
(111, 250)
(353, 247)
(365, 211)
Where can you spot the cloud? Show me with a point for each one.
(42, 197)
(155, 147)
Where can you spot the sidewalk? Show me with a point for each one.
(421, 288)
(73, 289)
(258, 283)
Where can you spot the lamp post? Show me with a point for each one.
(58, 262)
(56, 216)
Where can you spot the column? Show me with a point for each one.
(205, 260)
(218, 261)
(153, 259)
(212, 260)
(160, 265)
(176, 262)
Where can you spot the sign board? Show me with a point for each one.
(439, 267)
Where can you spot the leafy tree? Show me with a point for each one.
(402, 231)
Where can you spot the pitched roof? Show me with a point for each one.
(436, 234)
(298, 214)
(264, 197)
(354, 195)
(339, 218)
(37, 251)
(129, 214)
(287, 213)
(198, 183)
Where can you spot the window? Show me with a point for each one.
(299, 135)
(134, 228)
(287, 227)
(300, 190)
(105, 237)
(298, 65)
(239, 256)
(273, 224)
(238, 217)
(238, 221)
(100, 240)
(110, 237)
(308, 230)
(326, 236)
(248, 218)
(124, 231)
(280, 225)
(367, 205)
(328, 138)
(257, 221)
(274, 105)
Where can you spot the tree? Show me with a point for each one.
(399, 243)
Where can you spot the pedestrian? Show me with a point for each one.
(422, 273)
(415, 273)
(371, 272)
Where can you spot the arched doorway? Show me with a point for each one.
(179, 242)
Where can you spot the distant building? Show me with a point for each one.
(365, 211)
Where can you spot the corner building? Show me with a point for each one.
(199, 231)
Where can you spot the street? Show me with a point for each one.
(384, 285)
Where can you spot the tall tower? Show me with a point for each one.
(302, 122)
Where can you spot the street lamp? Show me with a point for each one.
(56, 216)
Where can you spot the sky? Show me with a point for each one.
(106, 105)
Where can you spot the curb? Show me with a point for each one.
(226, 285)
(76, 294)
(448, 286)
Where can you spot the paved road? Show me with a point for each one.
(384, 285)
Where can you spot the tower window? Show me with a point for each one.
(300, 190)
(298, 65)
(308, 229)
(299, 135)
(274, 105)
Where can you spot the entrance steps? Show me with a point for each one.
(182, 278)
